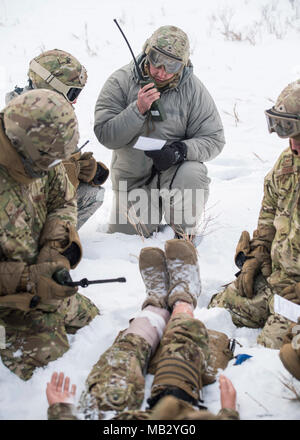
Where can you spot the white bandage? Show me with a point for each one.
(155, 320)
(150, 324)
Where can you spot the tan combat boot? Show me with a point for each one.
(290, 356)
(183, 269)
(152, 264)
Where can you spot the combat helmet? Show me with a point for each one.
(284, 117)
(168, 46)
(43, 128)
(58, 70)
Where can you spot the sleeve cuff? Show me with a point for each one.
(137, 112)
(229, 414)
(61, 411)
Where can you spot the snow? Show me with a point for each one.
(245, 53)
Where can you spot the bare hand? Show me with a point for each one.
(228, 393)
(146, 96)
(58, 389)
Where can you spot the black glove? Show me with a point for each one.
(101, 174)
(72, 254)
(168, 156)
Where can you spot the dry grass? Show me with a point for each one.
(234, 114)
(89, 50)
(270, 20)
(141, 228)
(206, 226)
(289, 385)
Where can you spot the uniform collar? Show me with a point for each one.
(10, 159)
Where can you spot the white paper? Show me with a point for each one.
(149, 144)
(286, 308)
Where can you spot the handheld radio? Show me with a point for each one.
(157, 111)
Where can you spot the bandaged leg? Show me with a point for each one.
(117, 380)
(150, 324)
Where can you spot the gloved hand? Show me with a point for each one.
(84, 168)
(72, 168)
(38, 280)
(87, 167)
(48, 254)
(62, 237)
(258, 261)
(91, 171)
(101, 174)
(252, 258)
(292, 293)
(168, 156)
(242, 249)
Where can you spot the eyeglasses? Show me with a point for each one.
(284, 124)
(157, 59)
(70, 93)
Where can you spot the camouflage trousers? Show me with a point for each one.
(89, 199)
(256, 312)
(35, 338)
(117, 380)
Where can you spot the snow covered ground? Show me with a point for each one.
(245, 52)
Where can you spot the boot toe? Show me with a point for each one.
(290, 360)
(181, 249)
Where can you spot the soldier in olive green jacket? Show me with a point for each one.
(172, 181)
(270, 262)
(37, 232)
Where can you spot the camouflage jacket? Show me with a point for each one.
(281, 214)
(26, 208)
(67, 411)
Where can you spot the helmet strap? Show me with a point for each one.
(49, 78)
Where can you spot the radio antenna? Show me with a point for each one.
(134, 59)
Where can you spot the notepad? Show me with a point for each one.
(149, 144)
(286, 308)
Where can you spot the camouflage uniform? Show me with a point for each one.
(28, 205)
(86, 175)
(89, 199)
(33, 339)
(116, 381)
(280, 214)
(70, 72)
